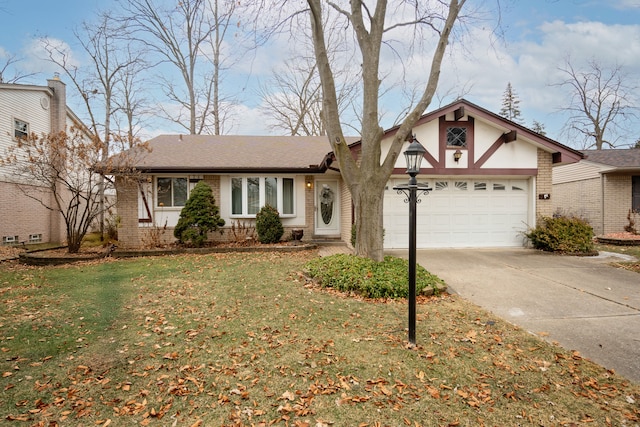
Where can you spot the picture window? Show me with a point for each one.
(250, 194)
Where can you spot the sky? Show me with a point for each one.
(537, 36)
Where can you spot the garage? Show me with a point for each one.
(460, 212)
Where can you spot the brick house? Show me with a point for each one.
(491, 178)
(602, 188)
(26, 109)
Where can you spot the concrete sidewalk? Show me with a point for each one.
(581, 302)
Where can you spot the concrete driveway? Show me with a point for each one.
(581, 302)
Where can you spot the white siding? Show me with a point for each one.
(582, 170)
(23, 104)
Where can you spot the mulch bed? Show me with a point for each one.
(620, 239)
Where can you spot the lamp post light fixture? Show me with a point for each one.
(414, 155)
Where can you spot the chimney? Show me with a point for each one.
(58, 108)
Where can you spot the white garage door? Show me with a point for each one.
(460, 213)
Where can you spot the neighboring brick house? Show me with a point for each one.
(602, 188)
(25, 109)
(491, 179)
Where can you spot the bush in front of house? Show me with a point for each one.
(368, 278)
(564, 234)
(199, 216)
(269, 225)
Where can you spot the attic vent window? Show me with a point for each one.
(456, 136)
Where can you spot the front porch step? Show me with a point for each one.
(327, 241)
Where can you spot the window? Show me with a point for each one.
(172, 192)
(456, 136)
(20, 129)
(35, 238)
(441, 185)
(250, 194)
(461, 185)
(479, 186)
(10, 240)
(499, 187)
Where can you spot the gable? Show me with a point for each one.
(492, 145)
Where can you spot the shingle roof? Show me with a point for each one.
(629, 158)
(209, 153)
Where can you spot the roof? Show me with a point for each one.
(561, 153)
(620, 160)
(235, 153)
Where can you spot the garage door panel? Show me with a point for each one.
(457, 215)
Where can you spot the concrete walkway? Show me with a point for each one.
(582, 303)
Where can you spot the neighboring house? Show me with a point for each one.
(25, 109)
(498, 186)
(602, 188)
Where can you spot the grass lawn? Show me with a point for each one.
(627, 250)
(241, 340)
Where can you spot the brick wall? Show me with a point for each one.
(580, 198)
(543, 184)
(617, 202)
(127, 209)
(21, 215)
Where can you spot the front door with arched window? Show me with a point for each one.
(327, 205)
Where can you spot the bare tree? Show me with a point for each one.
(188, 37)
(9, 60)
(367, 179)
(59, 171)
(292, 97)
(601, 105)
(97, 81)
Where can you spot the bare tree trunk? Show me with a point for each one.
(367, 180)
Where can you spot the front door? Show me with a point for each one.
(327, 207)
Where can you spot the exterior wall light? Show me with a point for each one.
(457, 155)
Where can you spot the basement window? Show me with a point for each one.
(10, 240)
(35, 238)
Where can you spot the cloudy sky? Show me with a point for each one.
(536, 38)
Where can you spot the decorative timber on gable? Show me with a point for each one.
(486, 143)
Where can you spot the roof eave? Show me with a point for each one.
(228, 170)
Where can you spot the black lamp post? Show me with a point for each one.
(414, 155)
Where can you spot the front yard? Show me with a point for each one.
(242, 340)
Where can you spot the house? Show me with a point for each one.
(602, 188)
(490, 179)
(25, 109)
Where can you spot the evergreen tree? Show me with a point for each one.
(511, 105)
(199, 216)
(538, 127)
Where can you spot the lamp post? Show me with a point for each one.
(414, 155)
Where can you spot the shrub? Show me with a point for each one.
(199, 216)
(242, 232)
(363, 276)
(564, 234)
(268, 225)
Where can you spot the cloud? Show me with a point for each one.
(37, 60)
